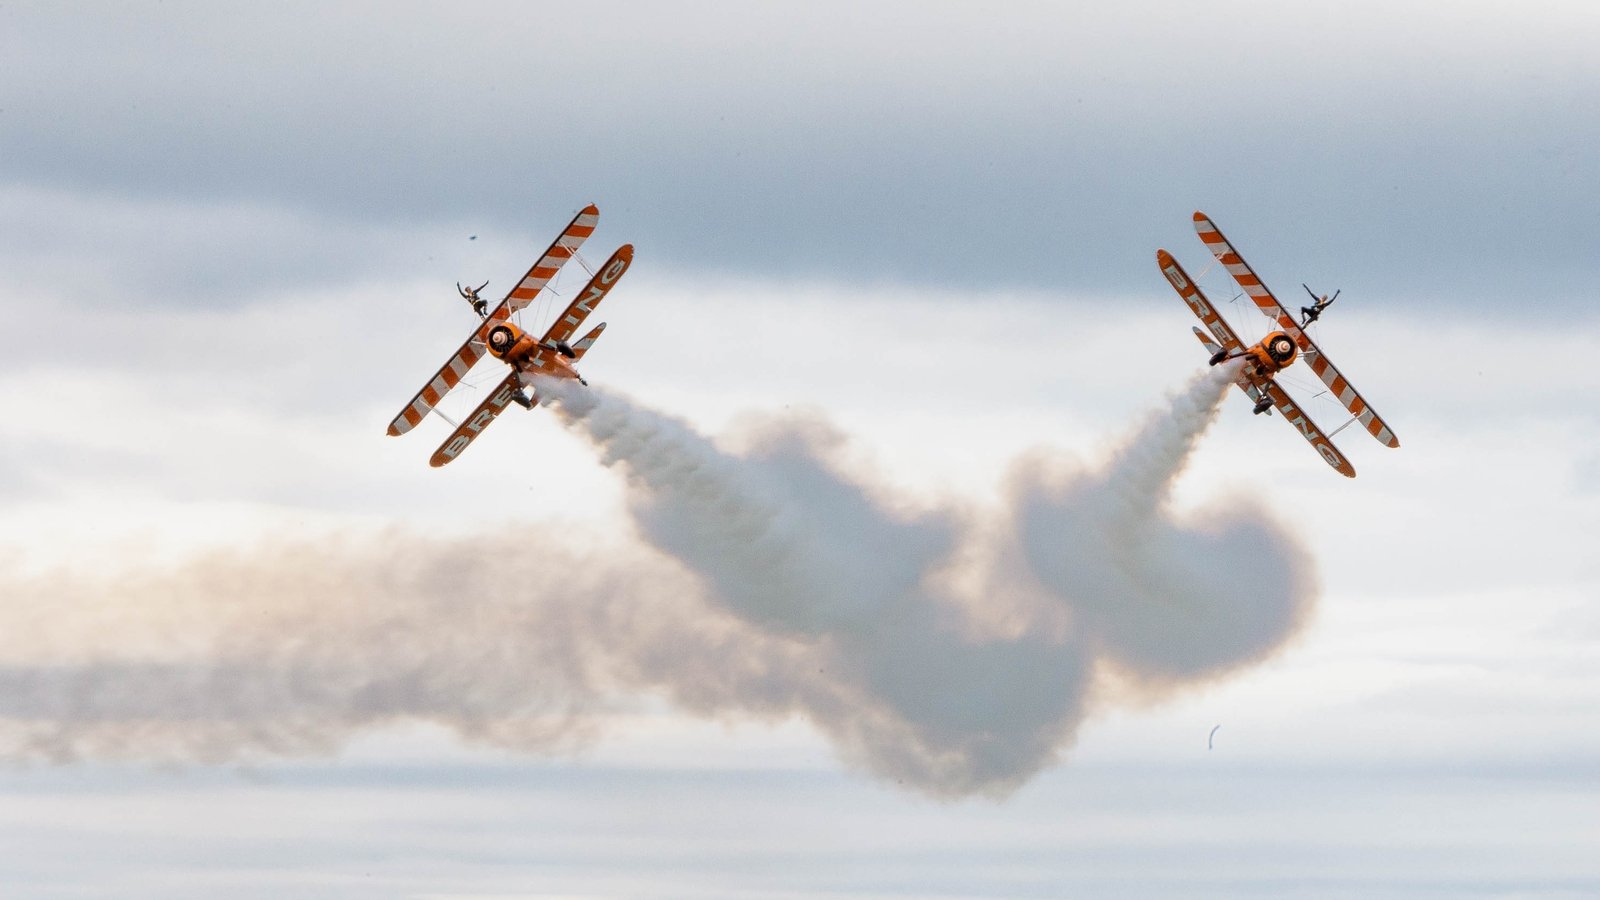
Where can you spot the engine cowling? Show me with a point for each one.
(1277, 350)
(501, 339)
(508, 342)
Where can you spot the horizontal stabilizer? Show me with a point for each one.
(587, 341)
(1250, 390)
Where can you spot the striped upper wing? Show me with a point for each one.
(1343, 390)
(1239, 269)
(1269, 305)
(448, 376)
(561, 250)
(451, 373)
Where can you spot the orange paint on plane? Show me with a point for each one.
(497, 336)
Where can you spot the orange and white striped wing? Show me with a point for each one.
(1269, 306)
(1302, 423)
(1342, 389)
(561, 250)
(566, 325)
(473, 425)
(448, 376)
(1191, 294)
(1239, 269)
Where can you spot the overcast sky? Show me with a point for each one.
(1405, 152)
(250, 645)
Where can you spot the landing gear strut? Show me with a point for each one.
(1262, 405)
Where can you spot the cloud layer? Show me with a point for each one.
(1051, 147)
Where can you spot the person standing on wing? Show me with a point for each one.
(1309, 314)
(479, 305)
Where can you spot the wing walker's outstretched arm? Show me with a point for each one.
(1309, 314)
(470, 294)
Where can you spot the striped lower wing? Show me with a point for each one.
(566, 324)
(1316, 437)
(473, 425)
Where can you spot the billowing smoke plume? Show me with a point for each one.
(952, 650)
(1163, 599)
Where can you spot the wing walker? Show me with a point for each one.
(497, 336)
(1275, 352)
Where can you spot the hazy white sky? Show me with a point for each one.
(231, 242)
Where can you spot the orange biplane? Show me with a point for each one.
(527, 356)
(1273, 353)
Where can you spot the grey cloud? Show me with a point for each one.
(1045, 147)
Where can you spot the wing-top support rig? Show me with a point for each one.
(554, 354)
(1282, 346)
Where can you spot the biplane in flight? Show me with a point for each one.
(501, 338)
(1275, 352)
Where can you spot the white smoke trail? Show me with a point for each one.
(1164, 599)
(785, 542)
(791, 547)
(953, 653)
(293, 649)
